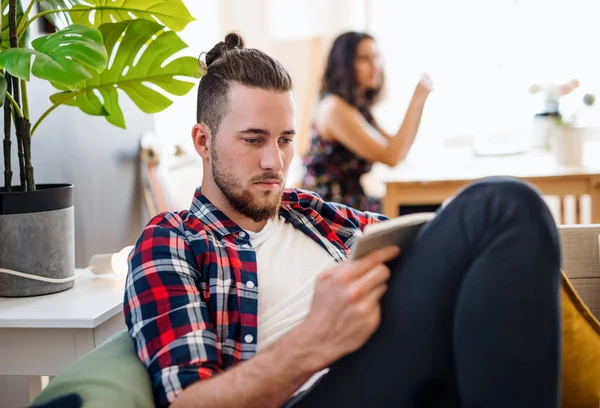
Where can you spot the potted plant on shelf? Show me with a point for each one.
(100, 47)
(568, 138)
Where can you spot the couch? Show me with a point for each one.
(581, 262)
(111, 375)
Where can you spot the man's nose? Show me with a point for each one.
(271, 157)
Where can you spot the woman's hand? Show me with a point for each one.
(425, 86)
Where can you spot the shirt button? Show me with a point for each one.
(246, 246)
(250, 284)
(249, 338)
(242, 234)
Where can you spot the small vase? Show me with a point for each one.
(568, 145)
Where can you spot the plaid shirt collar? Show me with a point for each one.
(211, 216)
(221, 224)
(332, 240)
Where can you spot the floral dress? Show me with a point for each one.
(334, 172)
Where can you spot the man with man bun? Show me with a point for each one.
(250, 298)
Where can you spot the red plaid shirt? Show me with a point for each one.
(191, 292)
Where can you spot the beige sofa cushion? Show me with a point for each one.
(581, 262)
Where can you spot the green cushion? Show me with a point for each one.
(109, 376)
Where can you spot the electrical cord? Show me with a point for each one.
(42, 278)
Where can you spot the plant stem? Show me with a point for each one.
(15, 97)
(26, 132)
(22, 126)
(15, 119)
(25, 99)
(45, 114)
(24, 18)
(35, 17)
(14, 40)
(7, 144)
(15, 105)
(44, 117)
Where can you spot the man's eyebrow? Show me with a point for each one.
(255, 131)
(264, 132)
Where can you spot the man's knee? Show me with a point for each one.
(505, 199)
(515, 204)
(510, 198)
(508, 191)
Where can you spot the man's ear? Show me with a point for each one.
(201, 137)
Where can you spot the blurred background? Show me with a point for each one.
(481, 56)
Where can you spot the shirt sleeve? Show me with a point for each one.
(166, 310)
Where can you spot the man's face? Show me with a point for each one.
(252, 151)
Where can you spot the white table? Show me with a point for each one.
(450, 170)
(42, 335)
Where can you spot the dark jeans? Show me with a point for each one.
(472, 314)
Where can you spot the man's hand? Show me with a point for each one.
(345, 312)
(346, 309)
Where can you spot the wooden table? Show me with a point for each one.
(442, 177)
(42, 335)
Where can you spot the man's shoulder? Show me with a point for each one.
(330, 211)
(300, 198)
(182, 222)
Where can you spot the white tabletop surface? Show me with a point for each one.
(90, 302)
(463, 164)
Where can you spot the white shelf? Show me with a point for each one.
(90, 302)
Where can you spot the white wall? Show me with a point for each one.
(175, 123)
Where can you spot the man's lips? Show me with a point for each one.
(268, 181)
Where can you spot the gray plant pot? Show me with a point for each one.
(37, 236)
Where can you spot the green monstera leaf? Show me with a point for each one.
(65, 57)
(170, 13)
(138, 49)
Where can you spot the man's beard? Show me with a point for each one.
(242, 200)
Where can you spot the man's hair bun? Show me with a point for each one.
(231, 42)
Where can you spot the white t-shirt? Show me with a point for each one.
(288, 262)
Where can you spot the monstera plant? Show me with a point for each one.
(99, 48)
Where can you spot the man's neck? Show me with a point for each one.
(246, 223)
(216, 197)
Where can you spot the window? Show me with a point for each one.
(482, 57)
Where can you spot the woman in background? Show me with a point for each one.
(347, 139)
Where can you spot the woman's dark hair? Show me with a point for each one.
(230, 61)
(340, 76)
